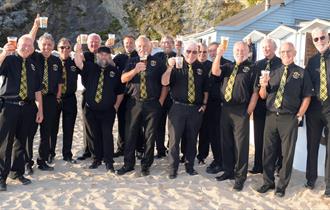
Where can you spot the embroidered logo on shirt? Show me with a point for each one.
(55, 67)
(153, 63)
(112, 74)
(296, 75)
(73, 68)
(33, 67)
(199, 71)
(246, 69)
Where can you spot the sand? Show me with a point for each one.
(77, 187)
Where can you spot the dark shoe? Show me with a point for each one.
(84, 156)
(327, 193)
(3, 185)
(183, 159)
(44, 167)
(50, 159)
(28, 170)
(172, 175)
(123, 170)
(118, 153)
(145, 172)
(255, 171)
(191, 172)
(95, 164)
(70, 160)
(224, 176)
(201, 161)
(238, 186)
(213, 168)
(279, 192)
(160, 155)
(109, 167)
(139, 155)
(24, 180)
(310, 185)
(265, 188)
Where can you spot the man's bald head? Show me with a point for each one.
(287, 53)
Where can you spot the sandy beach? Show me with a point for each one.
(77, 187)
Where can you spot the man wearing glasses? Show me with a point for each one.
(238, 102)
(189, 92)
(67, 103)
(318, 113)
(287, 90)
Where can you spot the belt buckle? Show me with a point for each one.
(21, 103)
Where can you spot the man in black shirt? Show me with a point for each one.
(103, 95)
(209, 133)
(318, 113)
(51, 67)
(121, 61)
(20, 89)
(287, 90)
(269, 63)
(93, 44)
(147, 95)
(238, 102)
(189, 91)
(67, 104)
(167, 44)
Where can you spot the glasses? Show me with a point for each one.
(191, 51)
(200, 52)
(63, 47)
(316, 39)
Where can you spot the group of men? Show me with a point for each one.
(206, 99)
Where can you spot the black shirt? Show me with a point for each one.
(313, 68)
(154, 72)
(164, 57)
(121, 60)
(89, 56)
(11, 70)
(54, 71)
(297, 87)
(214, 82)
(179, 83)
(71, 77)
(111, 85)
(243, 85)
(275, 63)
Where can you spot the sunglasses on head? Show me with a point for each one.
(191, 51)
(316, 39)
(63, 47)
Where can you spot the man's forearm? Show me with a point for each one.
(166, 76)
(304, 105)
(128, 76)
(163, 94)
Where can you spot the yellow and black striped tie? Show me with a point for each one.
(230, 84)
(45, 78)
(191, 85)
(99, 90)
(268, 66)
(280, 91)
(23, 85)
(323, 80)
(64, 76)
(143, 85)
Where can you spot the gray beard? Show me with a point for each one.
(101, 63)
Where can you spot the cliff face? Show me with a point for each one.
(71, 17)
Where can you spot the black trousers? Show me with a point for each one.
(326, 119)
(46, 129)
(68, 108)
(121, 116)
(235, 140)
(184, 121)
(15, 123)
(146, 115)
(100, 126)
(86, 134)
(209, 134)
(259, 118)
(160, 142)
(279, 130)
